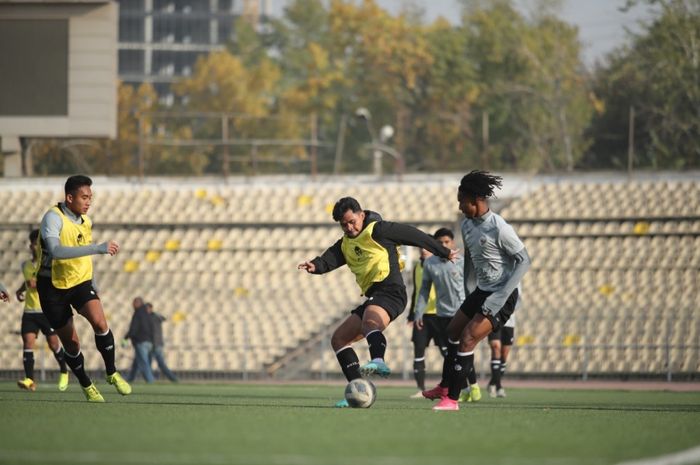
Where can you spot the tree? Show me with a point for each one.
(532, 86)
(441, 118)
(658, 75)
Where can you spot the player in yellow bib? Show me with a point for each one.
(33, 321)
(419, 336)
(64, 280)
(369, 248)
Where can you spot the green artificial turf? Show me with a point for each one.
(296, 424)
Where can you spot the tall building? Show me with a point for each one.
(160, 40)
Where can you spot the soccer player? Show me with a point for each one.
(500, 260)
(34, 320)
(448, 279)
(501, 341)
(369, 248)
(64, 280)
(419, 335)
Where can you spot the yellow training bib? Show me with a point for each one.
(430, 308)
(31, 296)
(70, 272)
(368, 260)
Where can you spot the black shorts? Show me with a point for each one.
(506, 335)
(35, 322)
(474, 301)
(434, 328)
(56, 303)
(391, 298)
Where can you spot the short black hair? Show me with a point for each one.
(76, 182)
(33, 235)
(479, 184)
(343, 205)
(442, 232)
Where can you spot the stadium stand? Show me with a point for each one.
(614, 287)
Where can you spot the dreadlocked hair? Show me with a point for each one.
(479, 184)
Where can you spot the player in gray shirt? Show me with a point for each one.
(447, 279)
(500, 261)
(446, 276)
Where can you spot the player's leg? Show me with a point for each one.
(420, 342)
(76, 361)
(56, 307)
(90, 307)
(342, 339)
(454, 330)
(471, 392)
(439, 333)
(57, 351)
(374, 322)
(478, 328)
(507, 343)
(28, 341)
(349, 331)
(495, 381)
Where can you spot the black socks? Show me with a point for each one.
(105, 344)
(349, 363)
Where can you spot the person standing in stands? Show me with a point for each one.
(500, 260)
(369, 248)
(65, 280)
(158, 343)
(141, 335)
(33, 321)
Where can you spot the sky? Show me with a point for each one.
(601, 24)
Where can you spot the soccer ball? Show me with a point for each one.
(360, 393)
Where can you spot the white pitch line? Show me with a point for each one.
(686, 457)
(157, 458)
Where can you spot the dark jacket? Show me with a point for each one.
(157, 320)
(141, 326)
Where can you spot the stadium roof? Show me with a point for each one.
(54, 2)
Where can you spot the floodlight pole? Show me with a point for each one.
(340, 145)
(314, 146)
(224, 139)
(364, 114)
(630, 143)
(142, 147)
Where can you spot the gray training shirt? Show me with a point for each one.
(497, 254)
(448, 279)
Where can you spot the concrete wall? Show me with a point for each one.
(92, 70)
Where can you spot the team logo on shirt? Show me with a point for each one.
(483, 240)
(358, 251)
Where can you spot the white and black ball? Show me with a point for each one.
(360, 393)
